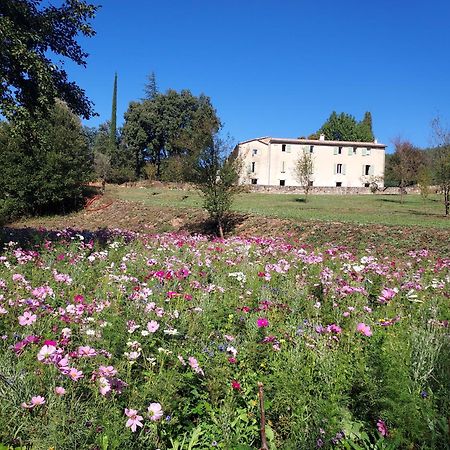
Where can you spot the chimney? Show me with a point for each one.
(322, 137)
(375, 141)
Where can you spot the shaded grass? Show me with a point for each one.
(362, 209)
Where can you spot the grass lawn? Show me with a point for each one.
(363, 209)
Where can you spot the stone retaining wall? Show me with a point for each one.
(315, 190)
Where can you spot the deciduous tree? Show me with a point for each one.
(29, 33)
(406, 164)
(303, 170)
(217, 176)
(441, 160)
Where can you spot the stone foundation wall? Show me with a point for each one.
(315, 190)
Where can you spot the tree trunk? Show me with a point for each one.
(264, 445)
(219, 224)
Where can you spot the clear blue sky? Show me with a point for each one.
(278, 68)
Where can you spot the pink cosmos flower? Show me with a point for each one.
(107, 371)
(194, 364)
(59, 390)
(45, 352)
(86, 351)
(364, 329)
(155, 411)
(134, 419)
(27, 318)
(382, 427)
(75, 374)
(152, 326)
(262, 322)
(35, 401)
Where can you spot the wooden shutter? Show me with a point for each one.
(335, 150)
(343, 169)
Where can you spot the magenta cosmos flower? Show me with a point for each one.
(364, 329)
(262, 322)
(59, 390)
(27, 318)
(134, 420)
(155, 411)
(382, 427)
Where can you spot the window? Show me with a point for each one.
(338, 150)
(254, 181)
(368, 151)
(338, 183)
(283, 147)
(283, 167)
(282, 182)
(310, 183)
(338, 168)
(253, 166)
(351, 151)
(366, 184)
(255, 151)
(367, 170)
(286, 148)
(354, 150)
(311, 149)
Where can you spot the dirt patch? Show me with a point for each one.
(108, 212)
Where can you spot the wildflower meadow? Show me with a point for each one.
(125, 341)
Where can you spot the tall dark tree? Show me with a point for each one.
(365, 131)
(29, 33)
(151, 88)
(344, 127)
(113, 129)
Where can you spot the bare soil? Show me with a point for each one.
(110, 213)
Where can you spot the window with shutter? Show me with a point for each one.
(288, 148)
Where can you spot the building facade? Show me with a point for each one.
(271, 162)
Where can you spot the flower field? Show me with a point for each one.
(125, 341)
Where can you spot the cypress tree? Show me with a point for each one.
(151, 88)
(113, 128)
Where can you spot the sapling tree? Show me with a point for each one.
(217, 176)
(303, 171)
(441, 163)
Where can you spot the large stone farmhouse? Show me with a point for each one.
(270, 161)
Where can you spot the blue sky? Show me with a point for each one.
(278, 68)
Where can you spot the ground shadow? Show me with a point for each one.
(209, 227)
(30, 238)
(300, 200)
(389, 200)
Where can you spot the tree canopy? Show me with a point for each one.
(47, 175)
(29, 80)
(344, 127)
(168, 125)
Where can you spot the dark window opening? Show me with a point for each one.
(283, 147)
(338, 183)
(310, 183)
(254, 181)
(367, 170)
(366, 184)
(311, 149)
(282, 182)
(339, 150)
(253, 166)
